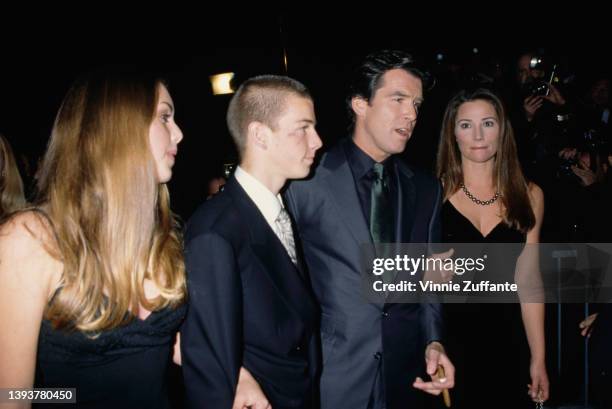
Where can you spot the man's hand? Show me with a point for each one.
(586, 175)
(439, 276)
(568, 153)
(554, 96)
(587, 325)
(434, 356)
(248, 393)
(531, 105)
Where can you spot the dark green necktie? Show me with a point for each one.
(381, 214)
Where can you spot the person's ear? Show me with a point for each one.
(359, 105)
(258, 134)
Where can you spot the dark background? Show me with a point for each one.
(36, 71)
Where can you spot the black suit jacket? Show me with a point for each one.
(248, 306)
(363, 341)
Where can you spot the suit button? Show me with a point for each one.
(377, 355)
(385, 314)
(298, 349)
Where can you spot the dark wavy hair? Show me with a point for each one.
(366, 78)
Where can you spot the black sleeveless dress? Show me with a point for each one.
(487, 342)
(122, 368)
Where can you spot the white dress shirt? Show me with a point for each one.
(268, 204)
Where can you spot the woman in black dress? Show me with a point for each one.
(488, 200)
(92, 280)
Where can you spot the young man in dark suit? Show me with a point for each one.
(248, 336)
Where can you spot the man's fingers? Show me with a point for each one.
(432, 366)
(427, 387)
(567, 153)
(444, 255)
(432, 359)
(533, 100)
(261, 405)
(446, 275)
(435, 388)
(242, 402)
(239, 403)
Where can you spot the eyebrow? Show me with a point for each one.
(169, 106)
(403, 94)
(308, 121)
(483, 119)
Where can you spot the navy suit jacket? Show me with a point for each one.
(364, 343)
(248, 306)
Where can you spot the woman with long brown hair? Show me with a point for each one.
(488, 200)
(11, 185)
(92, 280)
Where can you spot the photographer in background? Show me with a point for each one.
(584, 182)
(584, 195)
(535, 86)
(543, 119)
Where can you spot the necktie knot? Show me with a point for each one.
(379, 171)
(283, 217)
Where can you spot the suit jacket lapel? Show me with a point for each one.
(406, 209)
(284, 275)
(342, 191)
(406, 203)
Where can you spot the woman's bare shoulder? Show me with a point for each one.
(27, 248)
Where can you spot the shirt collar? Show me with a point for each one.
(268, 204)
(361, 163)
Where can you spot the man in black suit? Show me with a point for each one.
(251, 319)
(361, 193)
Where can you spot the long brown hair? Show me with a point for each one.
(11, 185)
(110, 216)
(507, 173)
